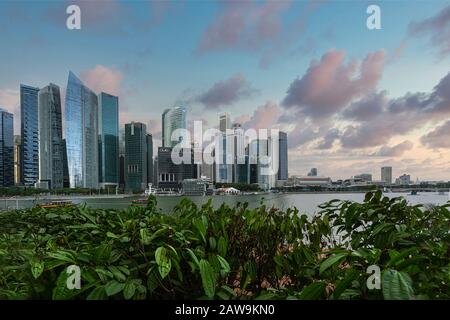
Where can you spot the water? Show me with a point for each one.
(304, 202)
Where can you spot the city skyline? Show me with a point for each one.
(384, 100)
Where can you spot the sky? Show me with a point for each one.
(351, 99)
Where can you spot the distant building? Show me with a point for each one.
(66, 179)
(50, 138)
(282, 157)
(386, 175)
(17, 159)
(135, 157)
(6, 149)
(310, 181)
(81, 125)
(404, 179)
(367, 177)
(196, 187)
(29, 150)
(108, 130)
(150, 159)
(224, 122)
(312, 172)
(172, 119)
(169, 175)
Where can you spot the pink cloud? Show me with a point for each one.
(103, 79)
(330, 84)
(264, 117)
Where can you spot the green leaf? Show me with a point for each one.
(113, 287)
(331, 261)
(163, 261)
(397, 285)
(98, 293)
(37, 267)
(194, 257)
(208, 280)
(222, 246)
(129, 290)
(314, 291)
(223, 264)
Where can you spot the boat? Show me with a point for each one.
(414, 192)
(56, 204)
(150, 190)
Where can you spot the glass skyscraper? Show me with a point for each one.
(29, 152)
(6, 149)
(51, 146)
(81, 134)
(172, 119)
(135, 156)
(108, 130)
(282, 156)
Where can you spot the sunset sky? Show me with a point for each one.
(351, 99)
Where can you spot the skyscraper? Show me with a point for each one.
(50, 138)
(29, 165)
(108, 130)
(224, 121)
(6, 148)
(135, 156)
(386, 175)
(172, 119)
(150, 158)
(283, 156)
(17, 159)
(169, 174)
(81, 134)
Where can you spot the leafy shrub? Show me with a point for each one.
(227, 253)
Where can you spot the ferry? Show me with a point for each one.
(56, 204)
(150, 190)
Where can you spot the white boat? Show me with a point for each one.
(150, 190)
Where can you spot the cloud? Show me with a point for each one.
(264, 117)
(227, 92)
(368, 107)
(436, 29)
(439, 137)
(330, 84)
(395, 151)
(328, 140)
(103, 79)
(244, 24)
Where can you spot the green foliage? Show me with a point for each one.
(227, 253)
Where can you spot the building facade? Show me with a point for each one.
(81, 125)
(50, 138)
(29, 153)
(172, 119)
(6, 149)
(17, 159)
(108, 130)
(386, 175)
(169, 174)
(150, 159)
(135, 157)
(282, 157)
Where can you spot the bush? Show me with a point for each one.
(227, 253)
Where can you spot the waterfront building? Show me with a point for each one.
(108, 129)
(367, 177)
(29, 150)
(196, 187)
(169, 174)
(386, 175)
(404, 179)
(172, 119)
(282, 175)
(310, 181)
(150, 159)
(50, 138)
(81, 125)
(135, 157)
(6, 148)
(17, 160)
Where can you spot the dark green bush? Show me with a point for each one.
(227, 253)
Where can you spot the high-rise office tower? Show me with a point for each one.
(386, 175)
(66, 179)
(282, 156)
(6, 148)
(224, 122)
(108, 131)
(135, 156)
(51, 147)
(81, 116)
(173, 119)
(169, 174)
(17, 159)
(29, 165)
(150, 159)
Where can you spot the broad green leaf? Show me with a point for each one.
(329, 262)
(314, 291)
(163, 261)
(37, 267)
(397, 285)
(113, 287)
(208, 280)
